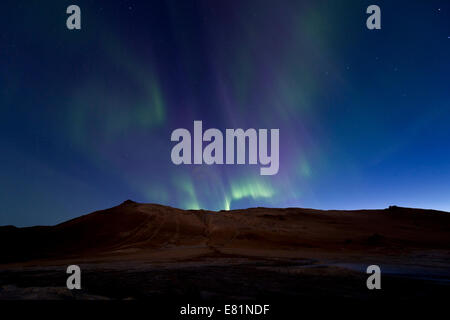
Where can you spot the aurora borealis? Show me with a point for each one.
(86, 116)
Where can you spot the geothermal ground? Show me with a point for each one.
(147, 251)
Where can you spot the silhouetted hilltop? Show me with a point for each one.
(136, 227)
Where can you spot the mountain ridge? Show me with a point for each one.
(132, 226)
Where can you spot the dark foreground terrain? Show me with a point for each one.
(144, 252)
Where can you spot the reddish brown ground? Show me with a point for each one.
(244, 254)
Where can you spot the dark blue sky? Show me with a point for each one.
(86, 116)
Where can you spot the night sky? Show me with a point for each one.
(86, 116)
